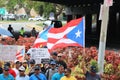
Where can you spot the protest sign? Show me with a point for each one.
(8, 52)
(41, 55)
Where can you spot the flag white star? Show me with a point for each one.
(77, 34)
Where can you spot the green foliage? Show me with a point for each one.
(40, 7)
(11, 4)
(2, 3)
(108, 69)
(48, 7)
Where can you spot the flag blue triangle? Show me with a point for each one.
(77, 34)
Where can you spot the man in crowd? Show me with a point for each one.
(22, 75)
(16, 68)
(52, 70)
(37, 75)
(31, 67)
(59, 74)
(25, 65)
(54, 56)
(92, 74)
(61, 60)
(68, 75)
(11, 71)
(6, 75)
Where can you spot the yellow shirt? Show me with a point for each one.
(68, 78)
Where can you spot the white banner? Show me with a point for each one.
(39, 54)
(8, 52)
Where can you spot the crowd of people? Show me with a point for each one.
(55, 69)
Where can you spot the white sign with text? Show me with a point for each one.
(39, 53)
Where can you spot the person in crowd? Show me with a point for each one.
(37, 75)
(11, 71)
(25, 65)
(61, 61)
(22, 75)
(31, 67)
(67, 75)
(22, 32)
(10, 28)
(54, 56)
(1, 69)
(27, 58)
(16, 68)
(59, 74)
(51, 71)
(92, 73)
(33, 32)
(6, 75)
(45, 67)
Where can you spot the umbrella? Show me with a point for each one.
(5, 32)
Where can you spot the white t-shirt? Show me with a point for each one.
(16, 71)
(22, 78)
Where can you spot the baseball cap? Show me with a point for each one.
(21, 68)
(53, 62)
(7, 64)
(6, 68)
(37, 67)
(54, 53)
(93, 69)
(17, 62)
(32, 61)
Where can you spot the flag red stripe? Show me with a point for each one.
(62, 45)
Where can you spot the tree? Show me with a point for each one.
(10, 5)
(2, 3)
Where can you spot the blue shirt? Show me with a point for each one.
(9, 77)
(57, 76)
(40, 75)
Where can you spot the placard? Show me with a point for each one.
(39, 54)
(8, 52)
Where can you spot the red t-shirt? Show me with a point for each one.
(12, 72)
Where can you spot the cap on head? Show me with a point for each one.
(21, 68)
(17, 62)
(53, 62)
(7, 64)
(6, 68)
(54, 53)
(93, 69)
(32, 61)
(28, 53)
(37, 67)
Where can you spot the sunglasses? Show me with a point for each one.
(37, 69)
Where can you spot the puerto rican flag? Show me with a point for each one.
(20, 55)
(72, 34)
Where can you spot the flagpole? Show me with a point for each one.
(103, 34)
(84, 36)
